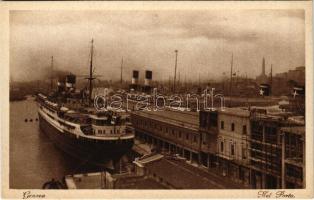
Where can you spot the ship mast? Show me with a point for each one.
(91, 78)
(51, 75)
(271, 77)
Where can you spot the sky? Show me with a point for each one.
(146, 40)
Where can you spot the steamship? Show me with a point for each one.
(69, 119)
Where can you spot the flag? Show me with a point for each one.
(264, 89)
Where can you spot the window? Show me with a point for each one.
(222, 125)
(221, 146)
(194, 138)
(244, 130)
(232, 127)
(204, 138)
(99, 131)
(213, 122)
(203, 119)
(179, 134)
(187, 136)
(232, 149)
(243, 153)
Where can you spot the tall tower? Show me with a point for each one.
(262, 78)
(263, 67)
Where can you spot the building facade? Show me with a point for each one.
(293, 157)
(169, 132)
(233, 143)
(250, 147)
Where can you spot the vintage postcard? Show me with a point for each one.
(156, 100)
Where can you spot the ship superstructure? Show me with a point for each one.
(79, 129)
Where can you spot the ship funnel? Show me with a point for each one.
(135, 77)
(61, 83)
(148, 80)
(70, 81)
(134, 83)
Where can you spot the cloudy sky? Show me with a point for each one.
(147, 40)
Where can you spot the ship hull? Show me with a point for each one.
(87, 150)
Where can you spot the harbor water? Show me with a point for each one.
(33, 158)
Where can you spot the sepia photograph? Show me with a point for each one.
(158, 98)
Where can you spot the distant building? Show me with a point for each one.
(283, 83)
(297, 75)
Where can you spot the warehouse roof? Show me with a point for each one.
(178, 118)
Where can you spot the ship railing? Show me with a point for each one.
(87, 129)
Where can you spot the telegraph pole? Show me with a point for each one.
(175, 71)
(121, 71)
(230, 86)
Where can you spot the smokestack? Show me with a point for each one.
(61, 83)
(148, 78)
(70, 81)
(147, 81)
(135, 77)
(134, 83)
